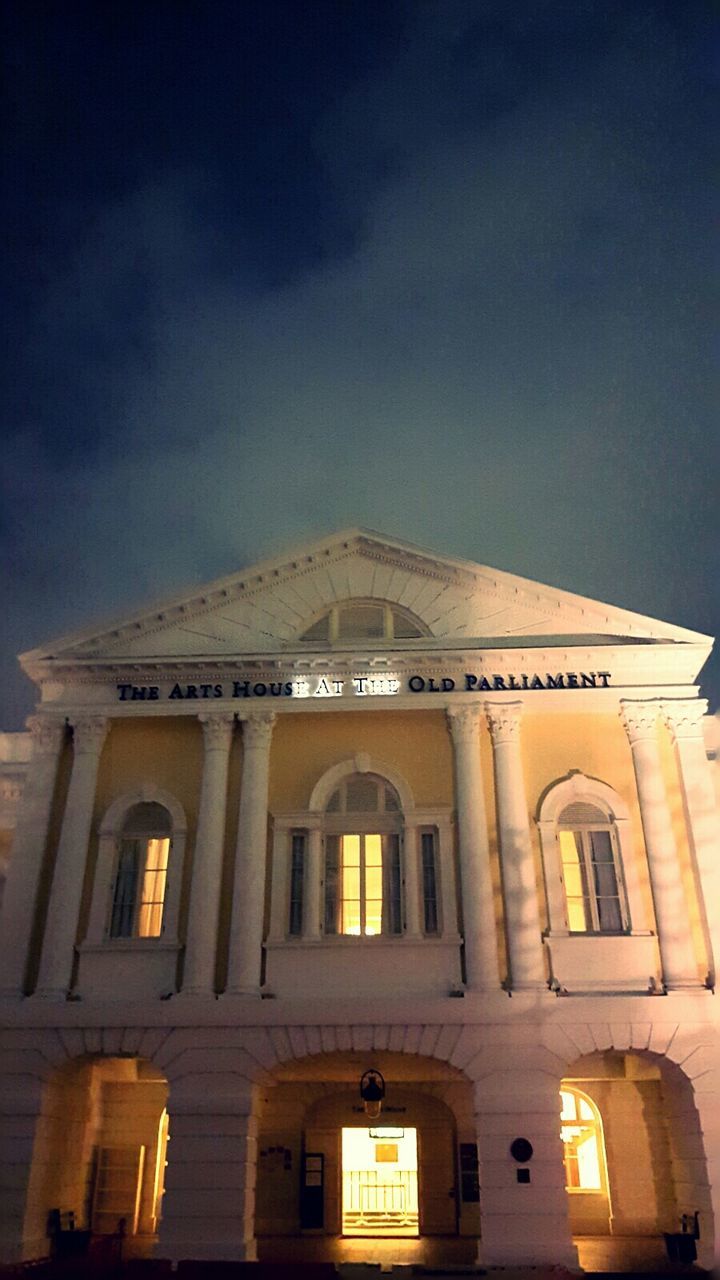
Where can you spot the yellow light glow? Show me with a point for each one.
(153, 888)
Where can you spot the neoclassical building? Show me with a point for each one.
(365, 815)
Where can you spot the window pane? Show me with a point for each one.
(575, 882)
(153, 888)
(351, 912)
(373, 851)
(429, 881)
(319, 630)
(332, 850)
(351, 917)
(403, 628)
(124, 897)
(351, 851)
(588, 1162)
(297, 874)
(361, 795)
(568, 1105)
(373, 884)
(361, 621)
(334, 802)
(394, 884)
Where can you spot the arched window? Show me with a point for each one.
(364, 620)
(594, 895)
(363, 877)
(583, 1145)
(138, 897)
(586, 842)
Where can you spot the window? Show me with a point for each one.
(594, 895)
(297, 877)
(428, 854)
(139, 890)
(363, 874)
(364, 620)
(583, 1146)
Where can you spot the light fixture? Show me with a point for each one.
(372, 1092)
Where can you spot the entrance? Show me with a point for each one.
(379, 1181)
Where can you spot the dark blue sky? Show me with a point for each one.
(442, 269)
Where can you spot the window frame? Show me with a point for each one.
(389, 609)
(595, 1126)
(110, 837)
(584, 831)
(574, 788)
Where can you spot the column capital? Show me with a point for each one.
(504, 721)
(47, 734)
(684, 717)
(640, 720)
(257, 729)
(463, 723)
(89, 733)
(217, 729)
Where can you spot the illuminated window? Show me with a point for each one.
(363, 876)
(364, 620)
(583, 1147)
(595, 899)
(139, 890)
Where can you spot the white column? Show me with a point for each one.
(202, 930)
(312, 885)
(481, 956)
(28, 850)
(412, 880)
(522, 913)
(684, 719)
(58, 952)
(246, 928)
(677, 953)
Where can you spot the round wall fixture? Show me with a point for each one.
(521, 1150)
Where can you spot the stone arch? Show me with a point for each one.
(83, 1096)
(314, 1097)
(109, 832)
(361, 763)
(653, 1103)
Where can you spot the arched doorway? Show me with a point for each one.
(327, 1172)
(633, 1123)
(99, 1155)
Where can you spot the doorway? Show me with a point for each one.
(380, 1181)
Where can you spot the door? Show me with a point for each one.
(437, 1181)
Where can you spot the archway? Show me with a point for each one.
(99, 1156)
(310, 1188)
(647, 1124)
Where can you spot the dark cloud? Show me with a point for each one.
(474, 315)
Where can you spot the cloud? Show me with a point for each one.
(502, 361)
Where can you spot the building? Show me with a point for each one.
(364, 809)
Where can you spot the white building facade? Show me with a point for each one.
(363, 809)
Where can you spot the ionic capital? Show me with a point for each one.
(257, 730)
(684, 717)
(47, 735)
(504, 721)
(217, 729)
(640, 720)
(463, 724)
(89, 733)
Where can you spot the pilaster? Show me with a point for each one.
(246, 930)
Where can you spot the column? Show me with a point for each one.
(28, 851)
(671, 912)
(246, 929)
(202, 930)
(61, 924)
(209, 1201)
(523, 1224)
(412, 880)
(312, 885)
(522, 914)
(481, 958)
(684, 719)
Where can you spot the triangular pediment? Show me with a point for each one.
(265, 608)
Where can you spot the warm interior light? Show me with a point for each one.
(153, 888)
(380, 1195)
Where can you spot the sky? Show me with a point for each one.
(440, 268)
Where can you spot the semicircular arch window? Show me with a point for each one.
(364, 620)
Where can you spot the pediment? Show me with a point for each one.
(265, 608)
